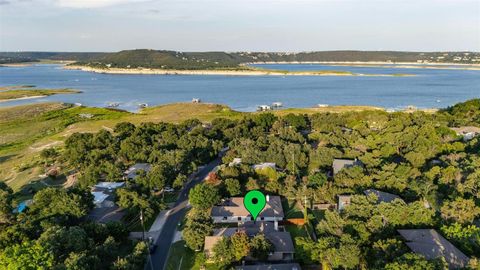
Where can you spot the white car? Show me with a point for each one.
(168, 189)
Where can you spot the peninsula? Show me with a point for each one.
(29, 92)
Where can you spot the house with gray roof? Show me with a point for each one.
(382, 196)
(283, 248)
(233, 211)
(133, 171)
(282, 266)
(340, 164)
(432, 245)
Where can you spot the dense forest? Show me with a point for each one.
(228, 60)
(414, 155)
(223, 60)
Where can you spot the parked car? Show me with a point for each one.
(169, 189)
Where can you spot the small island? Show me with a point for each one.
(10, 93)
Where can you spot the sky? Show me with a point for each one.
(240, 25)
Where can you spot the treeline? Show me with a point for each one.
(222, 60)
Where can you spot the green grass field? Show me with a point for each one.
(183, 258)
(8, 93)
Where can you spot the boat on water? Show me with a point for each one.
(142, 105)
(277, 104)
(113, 104)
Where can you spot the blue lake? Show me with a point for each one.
(431, 88)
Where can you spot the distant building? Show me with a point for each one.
(283, 248)
(282, 266)
(233, 211)
(131, 173)
(340, 164)
(432, 245)
(468, 132)
(382, 196)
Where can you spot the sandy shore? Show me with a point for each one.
(21, 98)
(222, 72)
(383, 64)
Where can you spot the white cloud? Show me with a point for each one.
(94, 3)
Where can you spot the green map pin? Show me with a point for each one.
(254, 201)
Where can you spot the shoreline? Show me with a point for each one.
(449, 66)
(253, 72)
(22, 98)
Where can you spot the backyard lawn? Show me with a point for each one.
(183, 258)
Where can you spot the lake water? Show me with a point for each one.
(431, 88)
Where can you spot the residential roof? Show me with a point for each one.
(429, 243)
(132, 171)
(265, 165)
(109, 185)
(382, 196)
(234, 207)
(339, 164)
(283, 266)
(99, 197)
(466, 130)
(282, 241)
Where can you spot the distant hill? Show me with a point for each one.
(167, 60)
(233, 60)
(21, 57)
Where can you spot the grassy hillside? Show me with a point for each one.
(8, 93)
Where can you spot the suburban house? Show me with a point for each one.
(105, 209)
(339, 164)
(345, 200)
(432, 245)
(282, 266)
(382, 196)
(468, 132)
(131, 173)
(233, 211)
(283, 248)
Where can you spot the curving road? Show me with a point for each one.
(158, 260)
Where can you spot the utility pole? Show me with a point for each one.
(143, 225)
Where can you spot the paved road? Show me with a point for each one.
(159, 258)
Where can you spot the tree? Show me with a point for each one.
(179, 181)
(233, 186)
(203, 196)
(198, 225)
(51, 202)
(260, 247)
(240, 245)
(222, 251)
(415, 262)
(460, 210)
(6, 196)
(25, 256)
